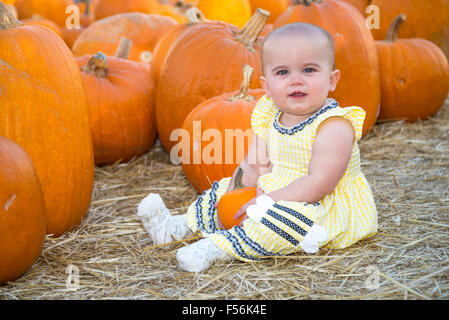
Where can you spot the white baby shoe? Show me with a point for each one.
(200, 255)
(161, 226)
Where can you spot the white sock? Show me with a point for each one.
(200, 255)
(161, 226)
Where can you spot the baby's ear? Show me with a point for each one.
(335, 76)
(264, 84)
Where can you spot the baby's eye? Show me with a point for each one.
(282, 72)
(309, 70)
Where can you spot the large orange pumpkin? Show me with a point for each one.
(220, 133)
(142, 29)
(44, 110)
(414, 76)
(119, 98)
(231, 202)
(22, 212)
(428, 19)
(161, 49)
(205, 61)
(355, 52)
(54, 10)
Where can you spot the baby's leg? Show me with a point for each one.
(161, 226)
(200, 255)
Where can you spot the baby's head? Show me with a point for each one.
(298, 66)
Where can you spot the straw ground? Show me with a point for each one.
(407, 165)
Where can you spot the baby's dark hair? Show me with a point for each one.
(301, 29)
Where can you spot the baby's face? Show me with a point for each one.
(298, 74)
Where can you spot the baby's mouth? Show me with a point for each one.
(296, 94)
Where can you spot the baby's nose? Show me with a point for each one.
(296, 80)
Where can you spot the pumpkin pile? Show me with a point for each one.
(95, 82)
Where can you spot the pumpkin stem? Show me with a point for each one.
(182, 5)
(87, 9)
(392, 33)
(123, 48)
(195, 16)
(97, 65)
(243, 94)
(13, 10)
(238, 179)
(251, 30)
(7, 19)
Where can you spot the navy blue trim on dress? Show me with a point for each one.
(296, 214)
(280, 232)
(290, 131)
(287, 222)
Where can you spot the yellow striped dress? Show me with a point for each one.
(338, 220)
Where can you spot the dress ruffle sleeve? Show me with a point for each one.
(262, 115)
(355, 115)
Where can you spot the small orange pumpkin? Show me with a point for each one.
(119, 98)
(231, 202)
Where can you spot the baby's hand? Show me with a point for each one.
(242, 210)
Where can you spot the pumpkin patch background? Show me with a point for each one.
(82, 109)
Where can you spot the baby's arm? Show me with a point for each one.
(255, 164)
(331, 153)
